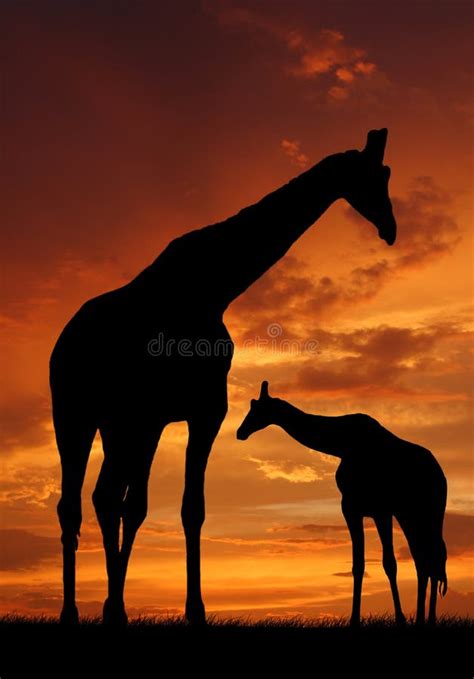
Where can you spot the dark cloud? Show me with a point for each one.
(459, 603)
(323, 55)
(451, 440)
(282, 288)
(40, 599)
(24, 422)
(283, 544)
(324, 540)
(348, 574)
(382, 360)
(459, 534)
(286, 293)
(322, 529)
(426, 229)
(21, 550)
(319, 534)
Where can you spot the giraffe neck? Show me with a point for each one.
(313, 431)
(260, 235)
(210, 267)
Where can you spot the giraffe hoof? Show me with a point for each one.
(69, 616)
(114, 614)
(400, 621)
(354, 623)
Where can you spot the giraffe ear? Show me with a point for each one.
(264, 390)
(375, 146)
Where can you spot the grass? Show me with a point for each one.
(325, 647)
(371, 622)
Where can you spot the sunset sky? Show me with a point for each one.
(126, 124)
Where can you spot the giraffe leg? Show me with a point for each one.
(385, 531)
(135, 504)
(202, 433)
(74, 439)
(433, 601)
(355, 523)
(108, 500)
(421, 597)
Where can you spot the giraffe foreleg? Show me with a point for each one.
(355, 523)
(74, 437)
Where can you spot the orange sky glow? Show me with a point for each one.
(129, 124)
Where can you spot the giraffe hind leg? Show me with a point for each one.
(135, 505)
(421, 595)
(355, 523)
(120, 500)
(384, 524)
(108, 498)
(202, 433)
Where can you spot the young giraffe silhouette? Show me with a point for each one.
(157, 351)
(380, 476)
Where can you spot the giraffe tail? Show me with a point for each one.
(443, 585)
(441, 574)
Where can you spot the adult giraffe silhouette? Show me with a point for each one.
(380, 476)
(105, 375)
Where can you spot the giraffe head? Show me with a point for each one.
(259, 416)
(367, 185)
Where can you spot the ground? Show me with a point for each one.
(40, 647)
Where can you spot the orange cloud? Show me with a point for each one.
(338, 93)
(427, 231)
(367, 68)
(324, 53)
(29, 488)
(294, 473)
(292, 149)
(345, 74)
